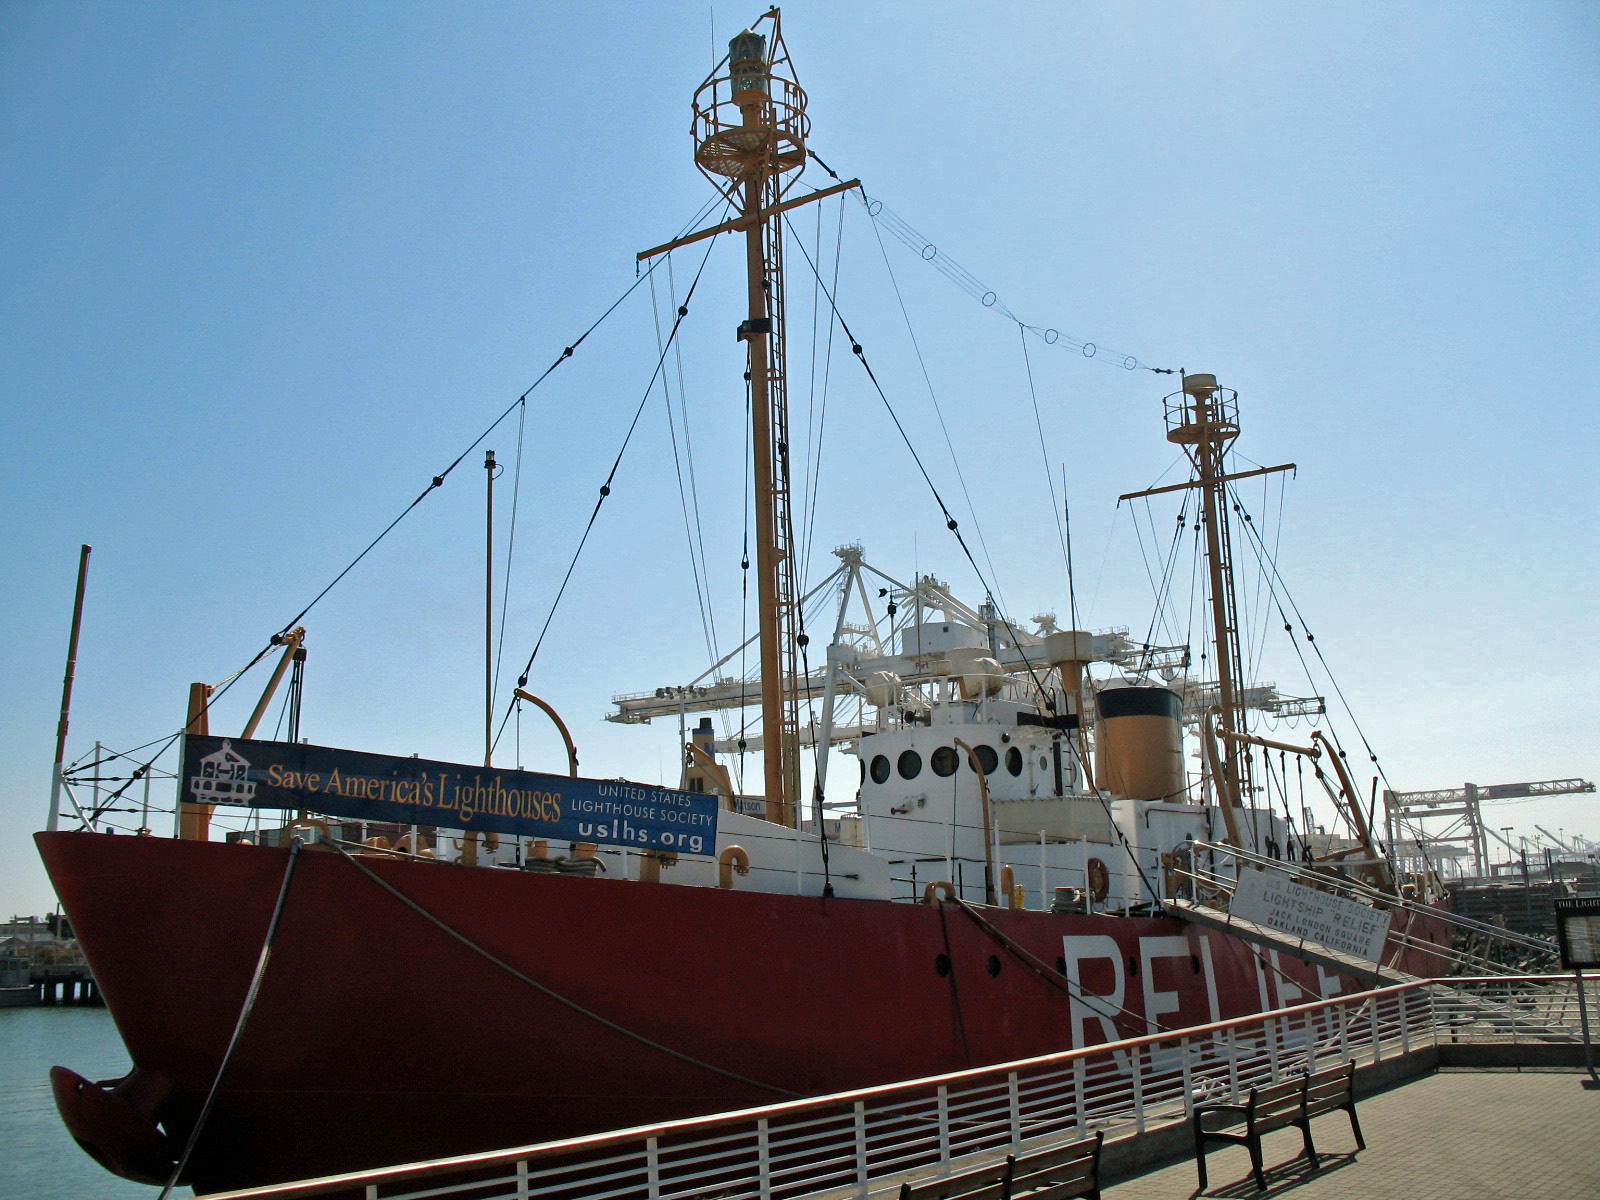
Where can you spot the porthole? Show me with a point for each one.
(944, 761)
(1044, 763)
(941, 965)
(987, 758)
(880, 768)
(993, 966)
(910, 764)
(1014, 761)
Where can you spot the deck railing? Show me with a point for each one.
(860, 1143)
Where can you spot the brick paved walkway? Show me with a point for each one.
(1455, 1135)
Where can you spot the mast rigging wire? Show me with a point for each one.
(938, 411)
(967, 282)
(1277, 584)
(814, 448)
(220, 689)
(950, 522)
(511, 543)
(1038, 424)
(605, 488)
(691, 521)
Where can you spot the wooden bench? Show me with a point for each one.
(1062, 1173)
(1334, 1090)
(1278, 1106)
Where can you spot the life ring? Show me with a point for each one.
(1099, 879)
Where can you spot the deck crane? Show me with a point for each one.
(1405, 811)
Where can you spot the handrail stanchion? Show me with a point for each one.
(764, 1157)
(1079, 1065)
(861, 1146)
(944, 1123)
(1185, 1049)
(1233, 1038)
(1014, 1105)
(652, 1160)
(1136, 1062)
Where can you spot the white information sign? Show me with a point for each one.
(1347, 926)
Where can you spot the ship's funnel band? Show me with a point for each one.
(1139, 702)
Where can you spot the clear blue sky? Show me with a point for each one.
(265, 269)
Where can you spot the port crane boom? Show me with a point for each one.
(1405, 811)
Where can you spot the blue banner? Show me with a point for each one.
(419, 791)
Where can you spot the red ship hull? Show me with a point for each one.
(378, 1038)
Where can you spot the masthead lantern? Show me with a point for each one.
(747, 67)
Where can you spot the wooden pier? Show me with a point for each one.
(66, 985)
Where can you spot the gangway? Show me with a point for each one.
(1473, 945)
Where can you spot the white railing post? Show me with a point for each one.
(522, 1179)
(652, 1166)
(1234, 1038)
(1014, 1102)
(861, 1145)
(1078, 1097)
(1272, 1028)
(1185, 1049)
(764, 1158)
(1405, 1022)
(944, 1129)
(1377, 1033)
(1136, 1065)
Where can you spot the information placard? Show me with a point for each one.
(1578, 932)
(1347, 926)
(419, 791)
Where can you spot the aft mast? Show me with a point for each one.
(1203, 418)
(1205, 425)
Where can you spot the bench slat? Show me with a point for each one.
(1060, 1174)
(979, 1183)
(1063, 1173)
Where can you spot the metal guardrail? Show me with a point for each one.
(861, 1143)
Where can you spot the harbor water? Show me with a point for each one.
(38, 1159)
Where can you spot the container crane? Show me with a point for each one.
(1405, 812)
